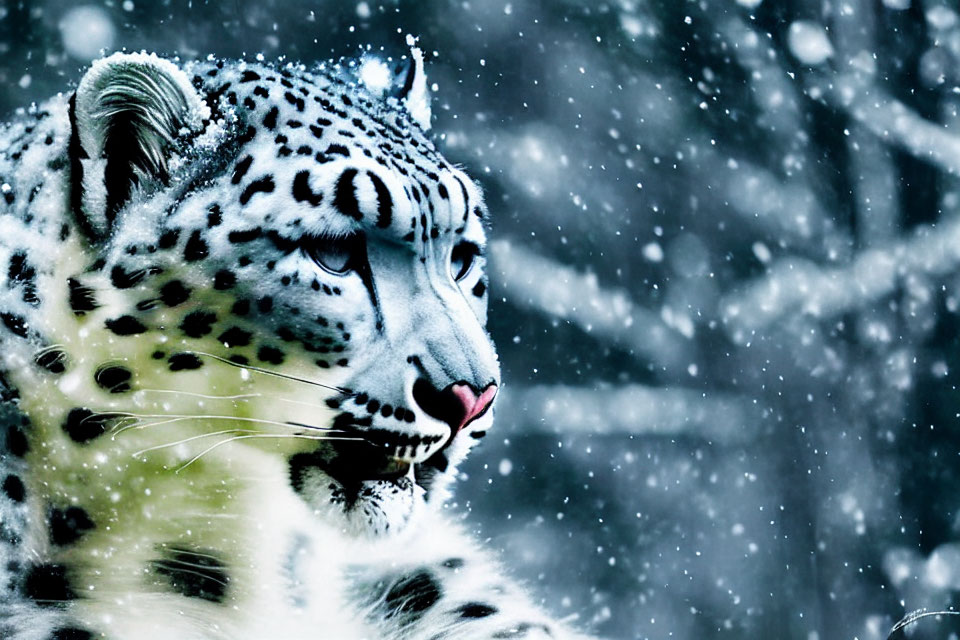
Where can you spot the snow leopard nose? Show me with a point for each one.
(458, 404)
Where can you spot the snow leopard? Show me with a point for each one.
(243, 350)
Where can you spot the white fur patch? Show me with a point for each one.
(417, 101)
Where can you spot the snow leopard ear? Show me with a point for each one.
(126, 116)
(412, 88)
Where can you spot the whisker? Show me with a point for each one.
(191, 394)
(194, 565)
(137, 454)
(143, 424)
(187, 552)
(268, 372)
(49, 348)
(118, 416)
(178, 567)
(915, 616)
(239, 396)
(180, 417)
(307, 426)
(258, 435)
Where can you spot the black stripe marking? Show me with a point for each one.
(384, 201)
(263, 185)
(214, 217)
(337, 149)
(284, 244)
(21, 273)
(299, 465)
(17, 441)
(408, 79)
(68, 525)
(123, 279)
(270, 120)
(184, 362)
(295, 100)
(169, 238)
(302, 191)
(13, 487)
(76, 154)
(174, 293)
(196, 248)
(411, 596)
(235, 337)
(224, 279)
(83, 425)
(245, 235)
(194, 574)
(197, 324)
(53, 360)
(344, 198)
(269, 354)
(81, 297)
(48, 586)
(125, 326)
(113, 378)
(16, 324)
(476, 610)
(241, 169)
(466, 198)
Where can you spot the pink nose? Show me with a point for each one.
(474, 406)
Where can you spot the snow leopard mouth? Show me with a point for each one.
(378, 479)
(380, 456)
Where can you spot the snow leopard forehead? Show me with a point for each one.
(322, 155)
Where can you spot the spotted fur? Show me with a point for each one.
(242, 348)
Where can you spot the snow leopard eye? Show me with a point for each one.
(335, 255)
(462, 259)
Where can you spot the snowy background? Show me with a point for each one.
(725, 276)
